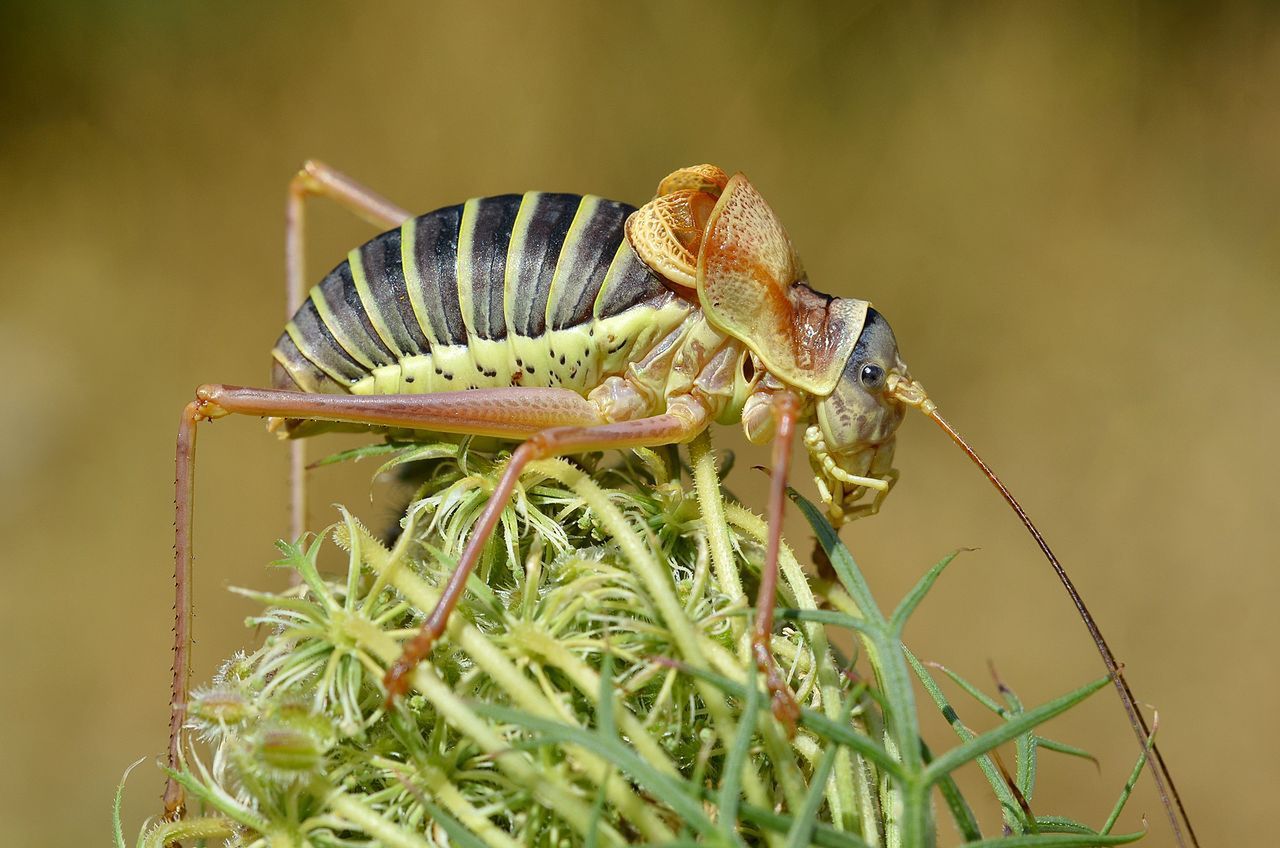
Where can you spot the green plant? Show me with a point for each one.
(594, 689)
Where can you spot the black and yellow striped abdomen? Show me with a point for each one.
(537, 290)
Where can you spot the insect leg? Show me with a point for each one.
(514, 413)
(174, 797)
(865, 510)
(316, 179)
(664, 429)
(787, 410)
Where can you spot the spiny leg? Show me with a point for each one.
(184, 485)
(787, 410)
(513, 413)
(662, 429)
(316, 179)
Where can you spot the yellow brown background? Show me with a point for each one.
(1068, 211)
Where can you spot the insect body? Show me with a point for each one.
(491, 293)
(545, 290)
(573, 323)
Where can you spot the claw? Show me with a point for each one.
(175, 801)
(396, 680)
(786, 709)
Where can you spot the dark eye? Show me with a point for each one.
(872, 376)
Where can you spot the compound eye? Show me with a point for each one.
(872, 377)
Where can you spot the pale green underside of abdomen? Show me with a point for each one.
(577, 358)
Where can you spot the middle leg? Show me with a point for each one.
(665, 429)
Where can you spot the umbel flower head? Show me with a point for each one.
(594, 688)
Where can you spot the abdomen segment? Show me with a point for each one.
(537, 289)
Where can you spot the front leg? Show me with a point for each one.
(842, 490)
(786, 409)
(868, 509)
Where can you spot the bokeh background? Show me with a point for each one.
(1069, 211)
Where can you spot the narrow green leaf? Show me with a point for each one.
(1010, 809)
(961, 812)
(1025, 752)
(1028, 743)
(1057, 840)
(597, 812)
(736, 762)
(674, 793)
(853, 740)
(979, 745)
(820, 724)
(1010, 696)
(304, 562)
(802, 828)
(201, 792)
(607, 728)
(887, 658)
(1064, 748)
(117, 828)
(1062, 824)
(973, 691)
(837, 619)
(433, 451)
(898, 620)
(604, 699)
(1026, 764)
(355, 454)
(1131, 782)
(459, 833)
(171, 832)
(824, 835)
(841, 560)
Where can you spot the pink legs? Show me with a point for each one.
(174, 797)
(554, 422)
(658, 430)
(539, 415)
(316, 179)
(787, 411)
(661, 429)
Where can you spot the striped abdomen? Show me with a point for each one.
(537, 290)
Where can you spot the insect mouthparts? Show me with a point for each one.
(909, 391)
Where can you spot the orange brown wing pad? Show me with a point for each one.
(667, 231)
(720, 236)
(707, 178)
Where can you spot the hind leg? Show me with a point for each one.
(513, 413)
(316, 179)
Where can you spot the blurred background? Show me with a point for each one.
(1068, 211)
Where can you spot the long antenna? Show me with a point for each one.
(911, 393)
